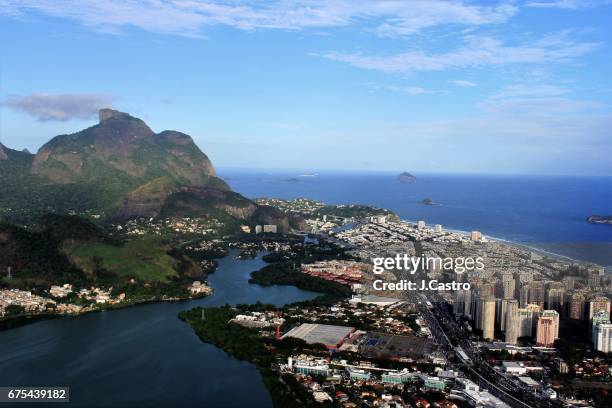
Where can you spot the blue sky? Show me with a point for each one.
(429, 86)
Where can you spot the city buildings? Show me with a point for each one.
(533, 293)
(486, 314)
(459, 303)
(308, 366)
(555, 296)
(508, 286)
(512, 322)
(597, 304)
(548, 328)
(345, 272)
(527, 320)
(602, 337)
(60, 291)
(576, 306)
(270, 228)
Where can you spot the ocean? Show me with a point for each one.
(545, 212)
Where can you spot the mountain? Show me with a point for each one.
(14, 161)
(120, 154)
(125, 146)
(123, 168)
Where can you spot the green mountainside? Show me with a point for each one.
(66, 248)
(121, 168)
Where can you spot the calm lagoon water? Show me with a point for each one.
(144, 355)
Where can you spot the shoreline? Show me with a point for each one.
(526, 246)
(24, 320)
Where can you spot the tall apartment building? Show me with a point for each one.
(602, 337)
(597, 304)
(555, 296)
(569, 282)
(537, 293)
(500, 314)
(576, 306)
(486, 316)
(459, 302)
(547, 328)
(508, 286)
(512, 321)
(599, 317)
(527, 320)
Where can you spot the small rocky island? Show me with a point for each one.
(600, 219)
(406, 177)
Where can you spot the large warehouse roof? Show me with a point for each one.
(331, 336)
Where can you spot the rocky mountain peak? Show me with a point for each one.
(107, 114)
(3, 155)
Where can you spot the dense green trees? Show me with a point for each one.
(284, 273)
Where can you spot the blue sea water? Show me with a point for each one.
(548, 212)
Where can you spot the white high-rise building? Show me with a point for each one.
(421, 225)
(598, 318)
(602, 337)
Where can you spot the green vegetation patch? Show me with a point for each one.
(212, 326)
(145, 259)
(285, 273)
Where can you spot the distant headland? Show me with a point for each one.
(406, 177)
(428, 201)
(599, 219)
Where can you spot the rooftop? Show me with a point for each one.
(329, 335)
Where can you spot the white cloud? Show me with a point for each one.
(530, 99)
(531, 91)
(568, 4)
(47, 107)
(190, 17)
(477, 52)
(408, 90)
(464, 83)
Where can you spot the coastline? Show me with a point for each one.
(522, 245)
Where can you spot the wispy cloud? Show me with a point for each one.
(190, 17)
(477, 52)
(408, 90)
(568, 4)
(46, 107)
(537, 100)
(463, 83)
